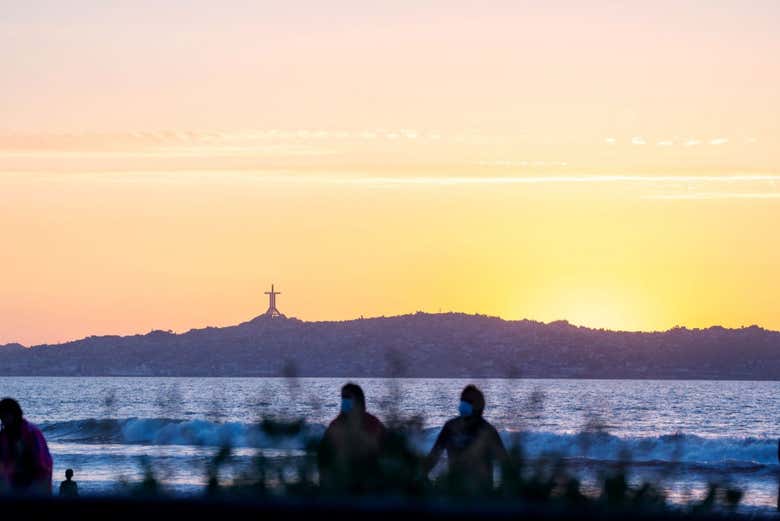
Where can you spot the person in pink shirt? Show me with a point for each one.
(25, 461)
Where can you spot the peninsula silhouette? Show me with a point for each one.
(415, 345)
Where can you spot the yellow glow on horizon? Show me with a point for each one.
(614, 167)
(121, 253)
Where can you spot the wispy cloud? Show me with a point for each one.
(643, 187)
(713, 196)
(522, 163)
(662, 141)
(568, 179)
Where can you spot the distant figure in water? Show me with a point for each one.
(25, 461)
(69, 488)
(472, 445)
(348, 457)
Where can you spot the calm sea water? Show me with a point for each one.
(102, 427)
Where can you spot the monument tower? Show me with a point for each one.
(272, 311)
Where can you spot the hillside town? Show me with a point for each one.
(414, 345)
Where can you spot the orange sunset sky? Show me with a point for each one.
(615, 164)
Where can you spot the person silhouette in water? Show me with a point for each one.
(25, 461)
(348, 457)
(69, 488)
(472, 445)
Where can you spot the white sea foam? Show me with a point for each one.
(732, 452)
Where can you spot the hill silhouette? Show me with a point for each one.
(416, 345)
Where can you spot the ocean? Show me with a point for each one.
(681, 433)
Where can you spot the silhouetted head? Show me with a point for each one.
(68, 474)
(352, 398)
(473, 397)
(10, 414)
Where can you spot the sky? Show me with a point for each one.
(614, 164)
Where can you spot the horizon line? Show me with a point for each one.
(419, 312)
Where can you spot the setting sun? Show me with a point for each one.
(616, 168)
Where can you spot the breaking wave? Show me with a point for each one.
(743, 453)
(732, 452)
(165, 431)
